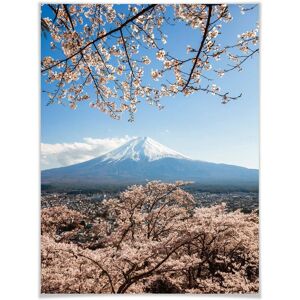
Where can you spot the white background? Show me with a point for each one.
(19, 151)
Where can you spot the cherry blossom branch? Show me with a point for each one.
(143, 11)
(127, 55)
(201, 46)
(68, 14)
(96, 85)
(100, 266)
(122, 289)
(115, 67)
(56, 14)
(238, 65)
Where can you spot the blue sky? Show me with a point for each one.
(198, 126)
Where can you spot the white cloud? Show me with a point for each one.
(64, 154)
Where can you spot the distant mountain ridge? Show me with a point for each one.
(144, 159)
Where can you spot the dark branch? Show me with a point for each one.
(56, 14)
(127, 55)
(55, 11)
(68, 14)
(201, 46)
(104, 270)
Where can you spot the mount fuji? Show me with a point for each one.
(144, 159)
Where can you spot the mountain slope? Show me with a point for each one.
(144, 159)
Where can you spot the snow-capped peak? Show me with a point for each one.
(142, 148)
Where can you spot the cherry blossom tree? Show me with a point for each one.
(150, 239)
(105, 54)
